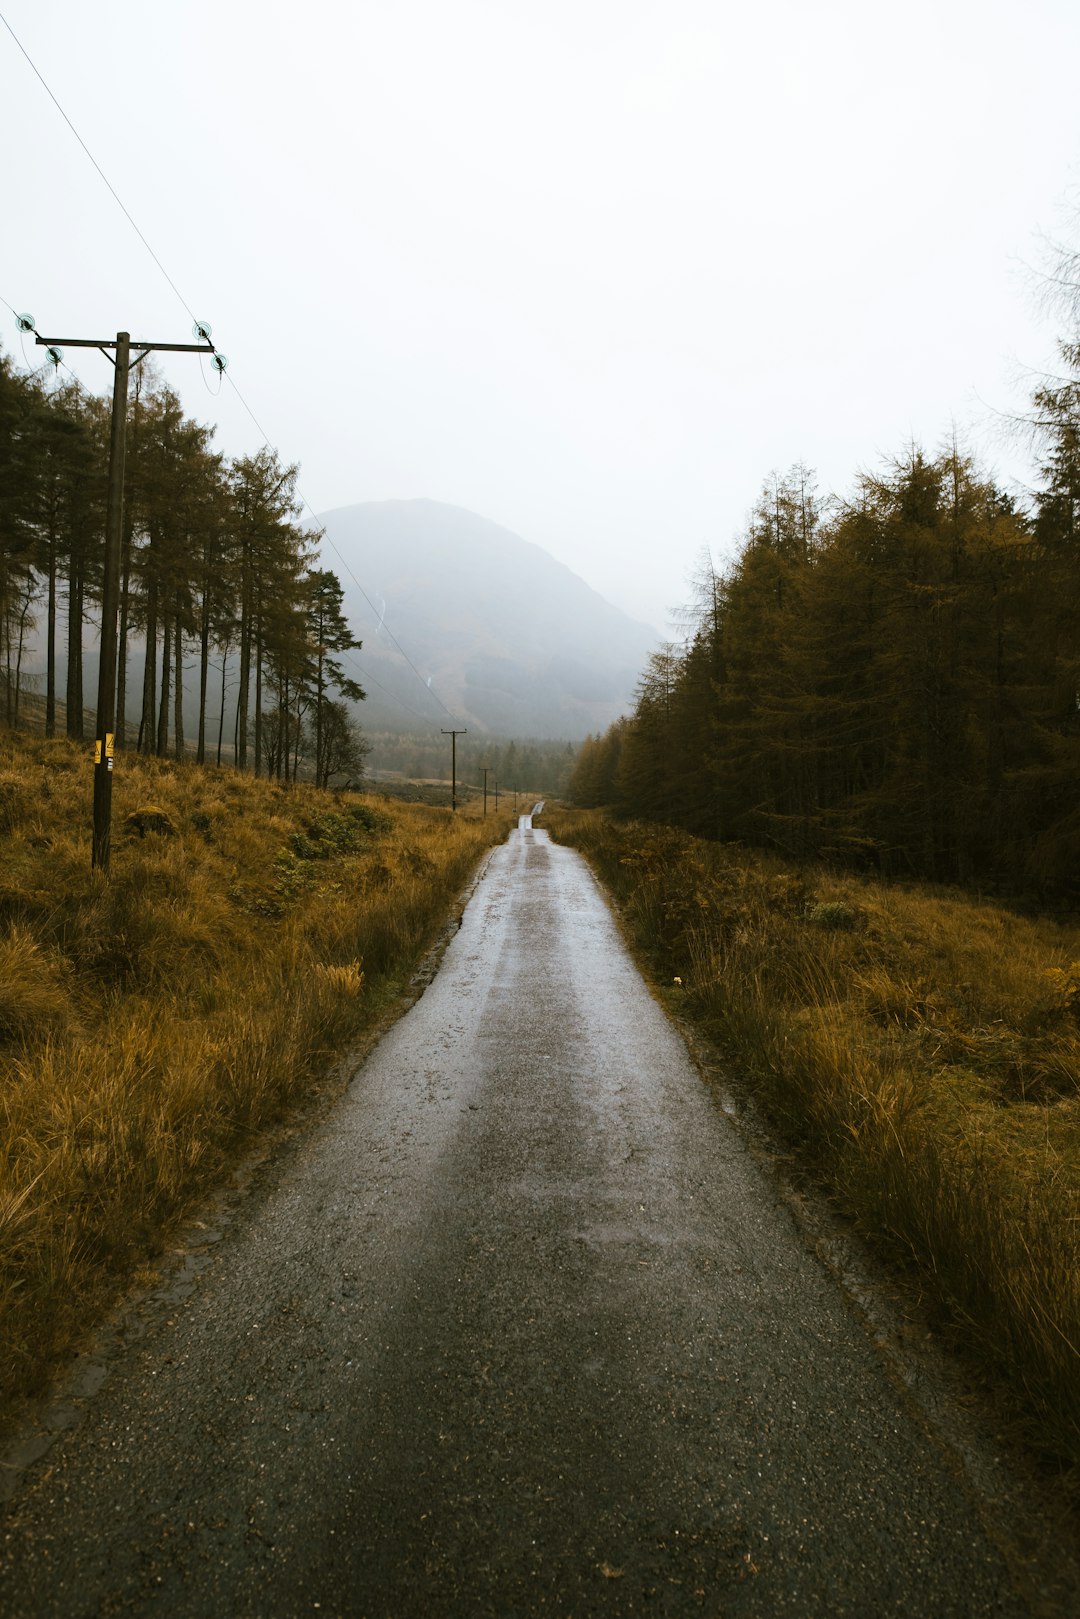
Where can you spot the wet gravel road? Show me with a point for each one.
(523, 1330)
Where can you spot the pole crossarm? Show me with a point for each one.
(136, 343)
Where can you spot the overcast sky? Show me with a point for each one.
(591, 268)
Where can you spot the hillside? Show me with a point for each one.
(151, 1025)
(512, 641)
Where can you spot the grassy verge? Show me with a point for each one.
(919, 1048)
(150, 1024)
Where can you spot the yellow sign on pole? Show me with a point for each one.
(97, 751)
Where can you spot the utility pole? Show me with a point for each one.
(485, 769)
(114, 512)
(496, 796)
(453, 735)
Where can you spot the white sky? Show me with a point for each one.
(591, 268)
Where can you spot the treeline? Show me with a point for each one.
(541, 766)
(216, 571)
(892, 682)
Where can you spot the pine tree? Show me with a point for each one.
(330, 636)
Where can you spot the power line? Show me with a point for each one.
(393, 696)
(96, 164)
(205, 332)
(383, 624)
(315, 519)
(61, 364)
(364, 673)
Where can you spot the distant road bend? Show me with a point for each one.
(520, 1329)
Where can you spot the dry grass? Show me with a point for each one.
(920, 1048)
(151, 1023)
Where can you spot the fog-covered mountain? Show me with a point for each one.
(511, 640)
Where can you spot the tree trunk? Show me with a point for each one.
(5, 631)
(221, 714)
(204, 669)
(166, 680)
(122, 649)
(74, 670)
(149, 705)
(24, 614)
(50, 640)
(320, 689)
(283, 729)
(243, 695)
(258, 698)
(178, 695)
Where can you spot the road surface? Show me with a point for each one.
(520, 1329)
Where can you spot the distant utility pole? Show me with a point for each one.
(496, 796)
(485, 769)
(114, 510)
(453, 735)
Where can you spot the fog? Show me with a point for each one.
(591, 270)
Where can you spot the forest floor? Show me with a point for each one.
(918, 1050)
(153, 1024)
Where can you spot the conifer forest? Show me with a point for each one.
(216, 571)
(890, 679)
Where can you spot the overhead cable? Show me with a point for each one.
(337, 552)
(97, 165)
(204, 331)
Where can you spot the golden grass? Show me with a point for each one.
(919, 1047)
(150, 1023)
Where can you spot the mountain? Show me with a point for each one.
(512, 641)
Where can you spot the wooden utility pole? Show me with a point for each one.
(453, 735)
(485, 769)
(114, 522)
(496, 796)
